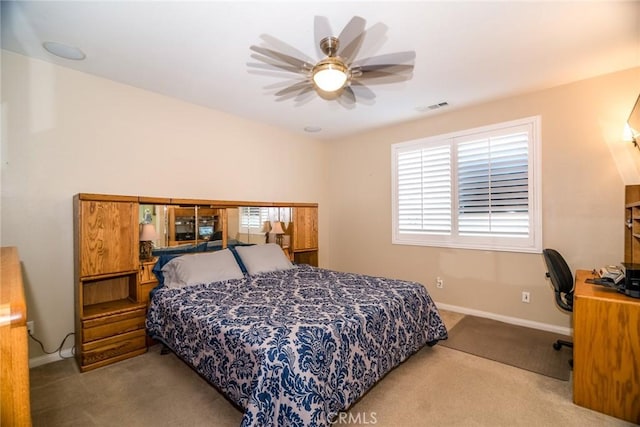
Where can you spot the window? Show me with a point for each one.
(252, 219)
(257, 220)
(477, 189)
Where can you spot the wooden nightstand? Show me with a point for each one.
(147, 280)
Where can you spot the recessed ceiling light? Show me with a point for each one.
(312, 129)
(64, 51)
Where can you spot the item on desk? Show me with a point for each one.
(631, 286)
(612, 273)
(604, 282)
(625, 280)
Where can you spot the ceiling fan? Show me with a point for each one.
(338, 75)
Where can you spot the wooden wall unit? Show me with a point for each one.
(632, 224)
(109, 314)
(15, 406)
(112, 285)
(305, 235)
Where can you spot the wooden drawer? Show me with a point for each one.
(118, 347)
(108, 326)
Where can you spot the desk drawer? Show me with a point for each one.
(109, 326)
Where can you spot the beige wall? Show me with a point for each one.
(65, 132)
(585, 166)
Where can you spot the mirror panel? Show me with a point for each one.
(193, 225)
(156, 215)
(182, 226)
(259, 225)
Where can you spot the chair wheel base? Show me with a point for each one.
(557, 346)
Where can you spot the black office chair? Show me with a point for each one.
(562, 280)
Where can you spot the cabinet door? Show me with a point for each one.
(305, 228)
(108, 237)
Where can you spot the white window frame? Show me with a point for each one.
(531, 243)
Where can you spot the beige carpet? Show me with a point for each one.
(518, 346)
(436, 387)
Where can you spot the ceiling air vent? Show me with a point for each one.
(432, 107)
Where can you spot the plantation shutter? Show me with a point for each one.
(493, 185)
(424, 190)
(252, 218)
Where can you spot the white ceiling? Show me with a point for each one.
(466, 52)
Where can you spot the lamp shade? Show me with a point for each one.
(266, 227)
(277, 228)
(148, 233)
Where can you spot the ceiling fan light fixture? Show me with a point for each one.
(330, 75)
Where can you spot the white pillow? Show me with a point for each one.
(198, 268)
(263, 258)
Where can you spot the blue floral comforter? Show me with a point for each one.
(295, 347)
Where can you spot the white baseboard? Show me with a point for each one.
(50, 358)
(507, 319)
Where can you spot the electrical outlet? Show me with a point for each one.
(439, 282)
(526, 297)
(30, 327)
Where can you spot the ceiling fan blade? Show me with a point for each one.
(296, 62)
(381, 70)
(390, 58)
(296, 87)
(268, 64)
(305, 96)
(280, 46)
(363, 94)
(351, 38)
(374, 38)
(362, 91)
(347, 98)
(321, 29)
(298, 96)
(282, 84)
(273, 73)
(379, 78)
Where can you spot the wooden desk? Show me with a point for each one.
(15, 408)
(606, 352)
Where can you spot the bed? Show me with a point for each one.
(288, 344)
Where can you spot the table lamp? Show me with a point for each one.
(147, 236)
(278, 231)
(266, 228)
